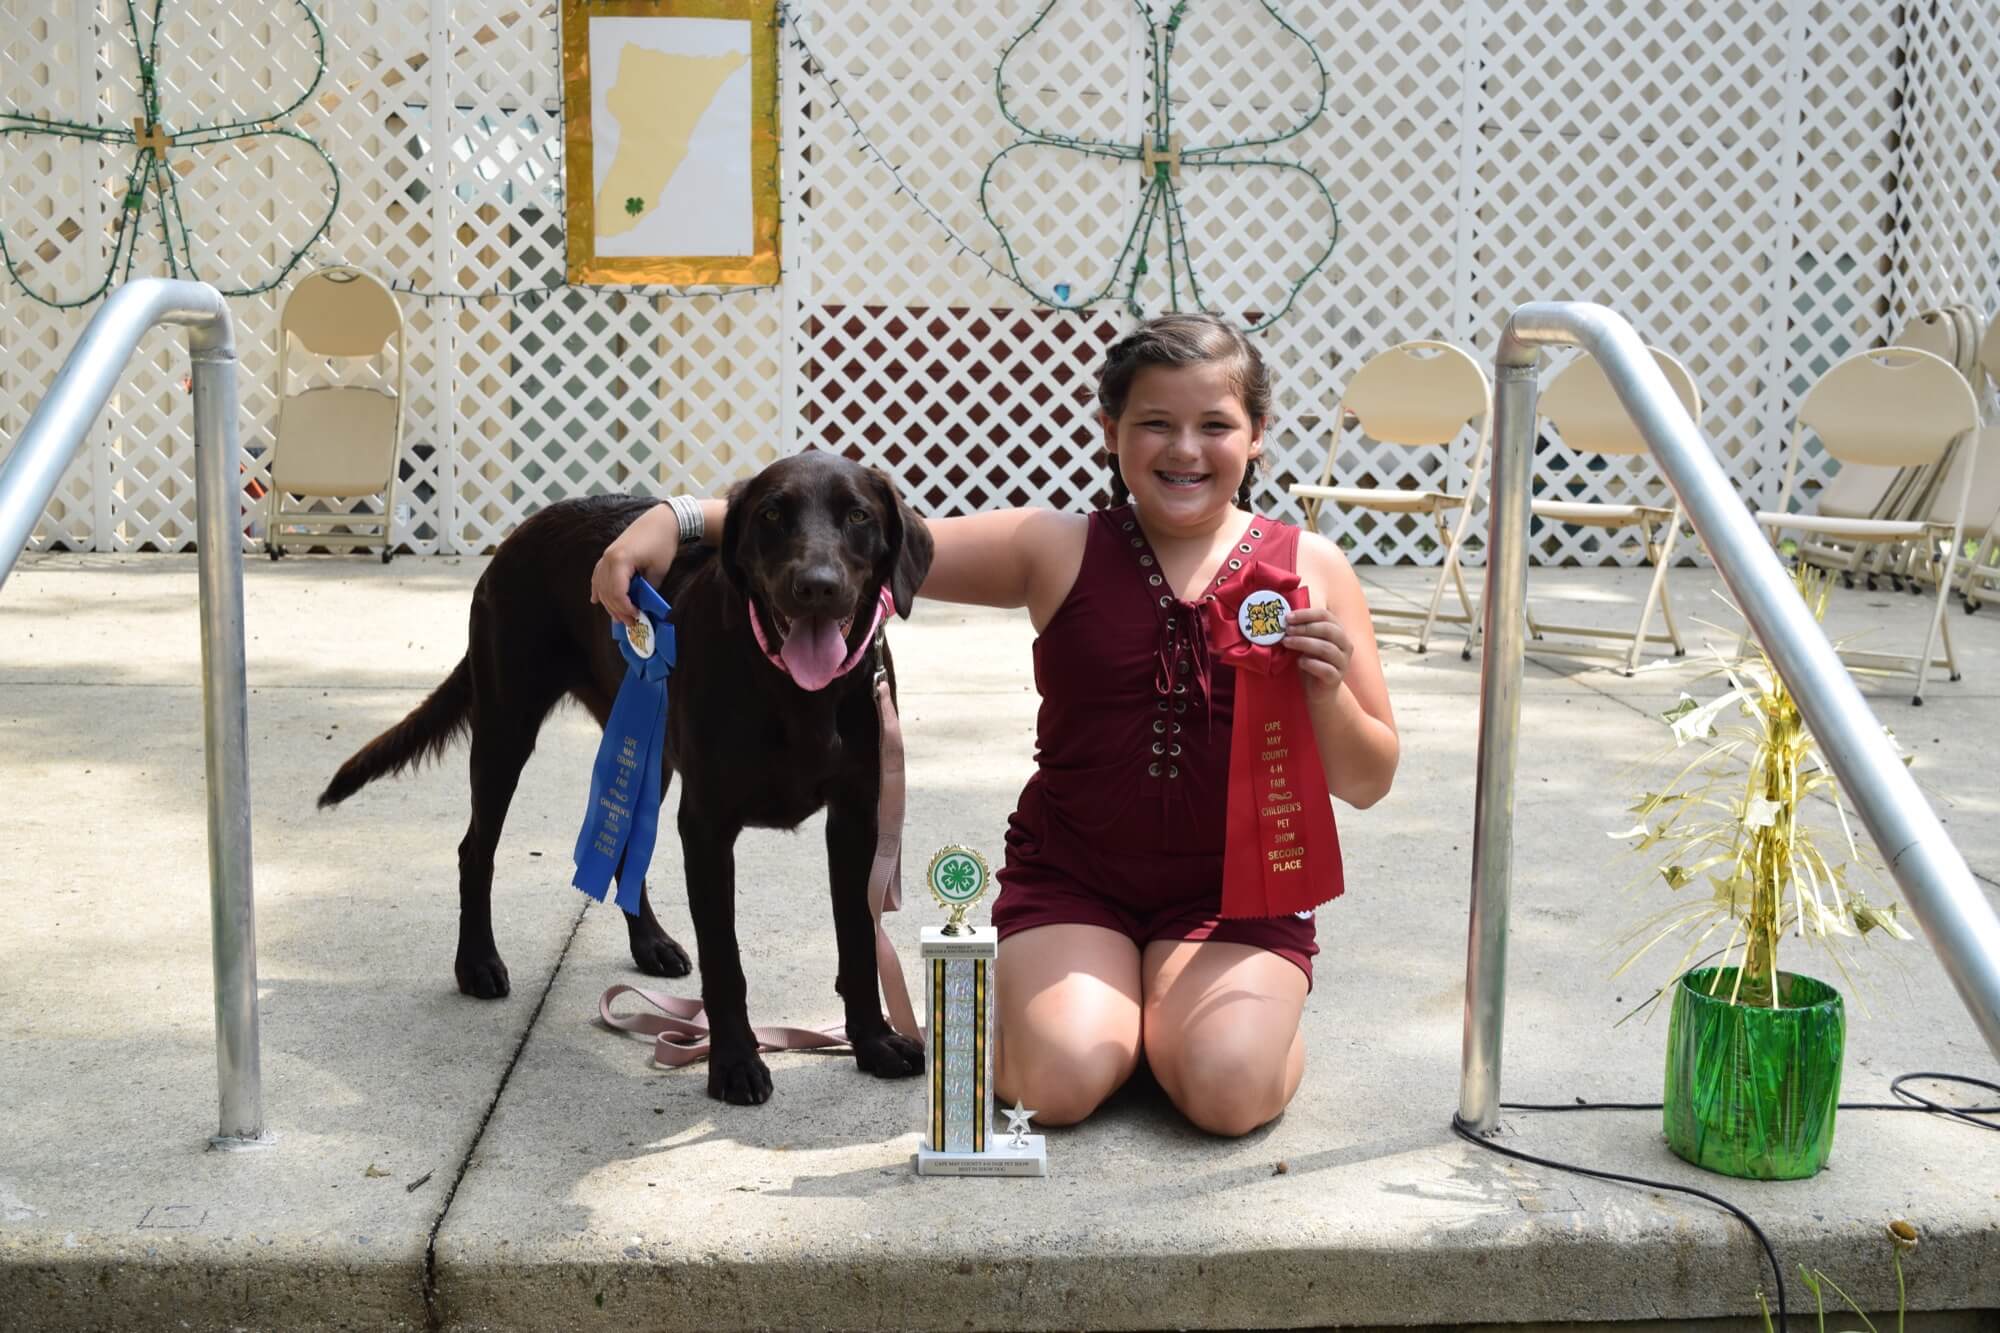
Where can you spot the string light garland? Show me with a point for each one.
(151, 170)
(1161, 157)
(1159, 154)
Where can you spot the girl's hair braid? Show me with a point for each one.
(1185, 340)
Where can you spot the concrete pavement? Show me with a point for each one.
(442, 1162)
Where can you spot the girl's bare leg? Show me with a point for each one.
(1068, 1018)
(1221, 1031)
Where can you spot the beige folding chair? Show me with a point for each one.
(1894, 407)
(339, 441)
(1585, 412)
(1983, 570)
(1989, 351)
(1950, 332)
(1420, 395)
(1977, 571)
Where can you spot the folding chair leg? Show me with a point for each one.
(1661, 554)
(1465, 601)
(1449, 571)
(1937, 624)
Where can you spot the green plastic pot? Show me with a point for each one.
(1751, 1090)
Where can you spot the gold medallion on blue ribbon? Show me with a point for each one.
(622, 822)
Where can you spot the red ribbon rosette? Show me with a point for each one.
(1282, 855)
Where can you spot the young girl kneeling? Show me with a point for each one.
(1112, 942)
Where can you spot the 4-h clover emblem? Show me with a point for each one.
(198, 143)
(957, 877)
(1165, 204)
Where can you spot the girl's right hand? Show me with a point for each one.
(646, 547)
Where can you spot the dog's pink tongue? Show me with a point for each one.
(813, 651)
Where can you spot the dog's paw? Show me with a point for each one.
(658, 956)
(891, 1055)
(741, 1080)
(482, 978)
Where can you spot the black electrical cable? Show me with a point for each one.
(1911, 1101)
(1471, 1135)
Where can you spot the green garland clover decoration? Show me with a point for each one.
(150, 167)
(1158, 155)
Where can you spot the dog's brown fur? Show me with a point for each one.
(811, 534)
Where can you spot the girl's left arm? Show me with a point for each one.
(1345, 692)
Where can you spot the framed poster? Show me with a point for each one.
(670, 141)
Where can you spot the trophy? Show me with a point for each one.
(958, 961)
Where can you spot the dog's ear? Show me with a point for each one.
(909, 543)
(741, 507)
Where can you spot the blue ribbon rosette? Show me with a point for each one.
(623, 820)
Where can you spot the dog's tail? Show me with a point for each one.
(424, 734)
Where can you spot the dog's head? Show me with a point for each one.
(812, 540)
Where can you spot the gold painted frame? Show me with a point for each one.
(585, 265)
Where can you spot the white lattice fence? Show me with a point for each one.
(1760, 185)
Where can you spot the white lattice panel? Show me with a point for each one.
(1760, 185)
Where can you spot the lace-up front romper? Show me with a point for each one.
(1122, 824)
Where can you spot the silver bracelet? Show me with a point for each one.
(687, 518)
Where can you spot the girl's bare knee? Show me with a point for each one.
(1225, 1093)
(1062, 1088)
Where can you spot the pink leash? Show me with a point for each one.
(680, 1031)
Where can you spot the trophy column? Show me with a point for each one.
(958, 968)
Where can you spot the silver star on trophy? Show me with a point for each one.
(958, 963)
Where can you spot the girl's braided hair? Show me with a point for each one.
(1185, 340)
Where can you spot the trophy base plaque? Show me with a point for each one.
(1030, 1159)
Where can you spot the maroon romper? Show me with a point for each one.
(1122, 824)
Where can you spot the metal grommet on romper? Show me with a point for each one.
(1138, 542)
(1186, 666)
(1256, 532)
(1181, 688)
(1153, 770)
(1245, 548)
(1159, 727)
(1175, 728)
(1154, 579)
(1146, 560)
(1164, 599)
(1173, 770)
(1174, 749)
(1159, 748)
(1180, 708)
(1163, 705)
(1236, 564)
(1128, 525)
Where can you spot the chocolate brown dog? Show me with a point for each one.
(759, 739)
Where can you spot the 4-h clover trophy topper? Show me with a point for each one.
(958, 1003)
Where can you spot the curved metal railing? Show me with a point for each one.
(1934, 878)
(29, 475)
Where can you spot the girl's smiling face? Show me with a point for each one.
(1182, 444)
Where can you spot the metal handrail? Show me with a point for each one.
(29, 475)
(1934, 878)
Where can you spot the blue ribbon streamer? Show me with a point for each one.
(623, 819)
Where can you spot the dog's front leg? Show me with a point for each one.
(708, 851)
(850, 854)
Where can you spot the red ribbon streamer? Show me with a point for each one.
(1282, 855)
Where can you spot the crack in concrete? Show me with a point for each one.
(433, 1316)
